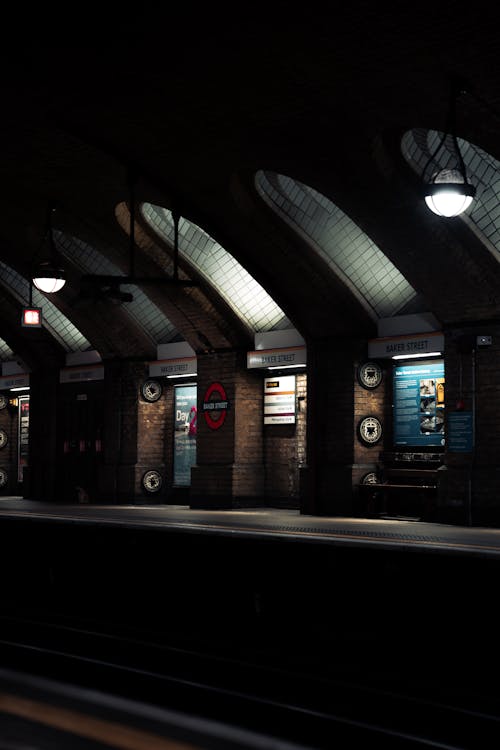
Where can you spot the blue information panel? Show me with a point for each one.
(419, 404)
(460, 434)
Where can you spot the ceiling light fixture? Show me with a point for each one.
(285, 367)
(449, 193)
(417, 356)
(115, 281)
(49, 275)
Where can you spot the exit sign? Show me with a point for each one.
(32, 317)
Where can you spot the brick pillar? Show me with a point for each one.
(376, 402)
(151, 444)
(470, 485)
(229, 471)
(41, 477)
(118, 480)
(326, 482)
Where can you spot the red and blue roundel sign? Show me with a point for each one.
(215, 406)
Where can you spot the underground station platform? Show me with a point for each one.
(262, 619)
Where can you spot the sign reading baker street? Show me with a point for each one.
(215, 405)
(293, 356)
(404, 345)
(173, 367)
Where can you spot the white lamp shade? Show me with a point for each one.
(448, 203)
(48, 284)
(49, 277)
(449, 194)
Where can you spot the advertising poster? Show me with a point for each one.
(185, 428)
(23, 435)
(279, 400)
(419, 404)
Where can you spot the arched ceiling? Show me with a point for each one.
(199, 105)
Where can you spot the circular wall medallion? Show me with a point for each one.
(152, 481)
(4, 477)
(370, 478)
(369, 374)
(369, 430)
(151, 390)
(3, 400)
(4, 438)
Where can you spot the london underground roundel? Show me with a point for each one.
(215, 405)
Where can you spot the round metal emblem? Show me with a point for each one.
(4, 438)
(151, 390)
(370, 478)
(369, 374)
(3, 401)
(152, 481)
(370, 430)
(4, 477)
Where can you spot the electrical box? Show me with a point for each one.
(483, 341)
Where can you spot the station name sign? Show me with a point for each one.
(295, 355)
(179, 366)
(422, 343)
(14, 381)
(81, 374)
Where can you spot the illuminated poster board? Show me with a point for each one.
(279, 400)
(23, 435)
(418, 392)
(185, 428)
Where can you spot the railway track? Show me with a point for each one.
(247, 689)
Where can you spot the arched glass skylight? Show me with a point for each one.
(242, 293)
(362, 266)
(144, 312)
(483, 171)
(6, 352)
(53, 320)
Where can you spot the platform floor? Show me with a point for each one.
(44, 714)
(269, 522)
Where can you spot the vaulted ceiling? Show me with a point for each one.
(290, 144)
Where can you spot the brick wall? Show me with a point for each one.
(326, 482)
(8, 454)
(229, 470)
(285, 453)
(472, 481)
(371, 402)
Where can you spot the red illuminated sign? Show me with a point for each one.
(32, 317)
(215, 406)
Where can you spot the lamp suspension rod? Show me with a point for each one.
(449, 128)
(175, 217)
(457, 89)
(132, 223)
(47, 231)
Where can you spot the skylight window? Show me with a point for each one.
(242, 292)
(351, 254)
(6, 352)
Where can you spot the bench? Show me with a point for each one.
(407, 486)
